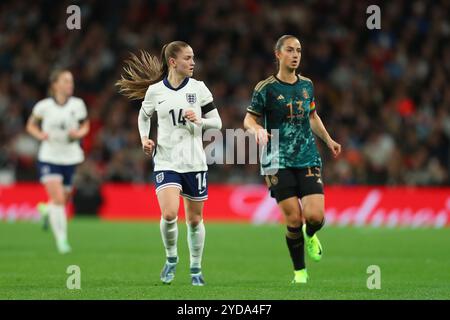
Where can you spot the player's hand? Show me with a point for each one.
(192, 117)
(262, 136)
(43, 136)
(147, 146)
(74, 135)
(334, 147)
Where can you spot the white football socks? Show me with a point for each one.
(58, 221)
(196, 242)
(169, 234)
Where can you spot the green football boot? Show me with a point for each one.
(313, 246)
(300, 276)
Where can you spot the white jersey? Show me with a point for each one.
(57, 121)
(179, 144)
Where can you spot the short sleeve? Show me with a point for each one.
(257, 104)
(39, 110)
(81, 111)
(205, 96)
(148, 105)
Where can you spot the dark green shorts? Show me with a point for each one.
(291, 182)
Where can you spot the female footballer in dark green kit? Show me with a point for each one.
(285, 102)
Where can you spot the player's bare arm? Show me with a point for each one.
(81, 132)
(34, 129)
(319, 129)
(251, 123)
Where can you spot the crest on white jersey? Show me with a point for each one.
(160, 177)
(191, 98)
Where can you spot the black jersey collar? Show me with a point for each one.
(287, 83)
(56, 102)
(168, 85)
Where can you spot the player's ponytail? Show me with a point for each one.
(140, 73)
(164, 65)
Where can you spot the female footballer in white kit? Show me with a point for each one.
(184, 107)
(59, 122)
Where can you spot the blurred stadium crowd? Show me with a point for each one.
(383, 94)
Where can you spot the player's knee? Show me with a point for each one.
(315, 216)
(169, 214)
(294, 220)
(59, 200)
(194, 220)
(294, 223)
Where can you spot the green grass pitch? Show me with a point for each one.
(120, 260)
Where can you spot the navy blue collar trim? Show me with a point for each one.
(61, 105)
(168, 85)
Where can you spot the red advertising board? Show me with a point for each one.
(19, 201)
(375, 206)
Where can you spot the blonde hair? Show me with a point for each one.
(140, 73)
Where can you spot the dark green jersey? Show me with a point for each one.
(287, 107)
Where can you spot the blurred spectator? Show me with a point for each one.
(87, 197)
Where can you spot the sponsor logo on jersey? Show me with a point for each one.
(280, 97)
(160, 177)
(191, 98)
